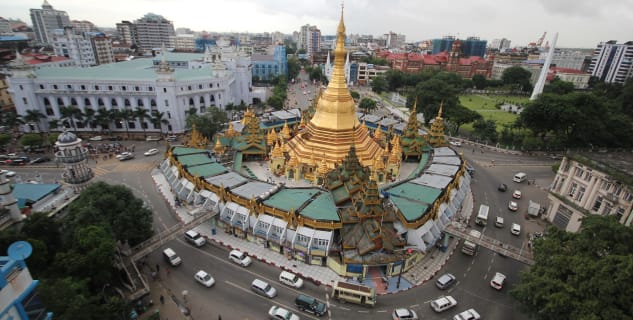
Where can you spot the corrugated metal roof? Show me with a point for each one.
(228, 180)
(322, 208)
(288, 199)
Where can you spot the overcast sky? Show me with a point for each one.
(580, 23)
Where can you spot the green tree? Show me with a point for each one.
(69, 114)
(367, 104)
(104, 118)
(31, 140)
(518, 78)
(34, 117)
(4, 139)
(395, 79)
(558, 86)
(124, 116)
(113, 206)
(316, 74)
(355, 95)
(276, 102)
(141, 114)
(209, 123)
(90, 117)
(460, 115)
(11, 120)
(430, 94)
(293, 67)
(44, 228)
(486, 130)
(479, 81)
(379, 84)
(580, 275)
(158, 120)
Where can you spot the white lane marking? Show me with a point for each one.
(264, 298)
(414, 306)
(381, 311)
(363, 311)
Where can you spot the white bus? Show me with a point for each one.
(482, 216)
(355, 293)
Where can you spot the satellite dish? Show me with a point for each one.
(20, 250)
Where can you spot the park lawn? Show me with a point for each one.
(485, 105)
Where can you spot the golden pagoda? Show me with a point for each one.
(436, 136)
(196, 139)
(334, 127)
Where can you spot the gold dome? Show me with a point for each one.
(334, 127)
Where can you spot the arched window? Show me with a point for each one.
(73, 101)
(47, 102)
(191, 101)
(202, 100)
(87, 102)
(139, 102)
(211, 98)
(60, 102)
(100, 102)
(113, 102)
(152, 103)
(126, 102)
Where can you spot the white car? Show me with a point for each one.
(456, 143)
(499, 222)
(240, 258)
(443, 303)
(516, 229)
(153, 138)
(125, 156)
(498, 280)
(513, 206)
(404, 314)
(96, 138)
(280, 313)
(469, 314)
(204, 278)
(516, 194)
(151, 152)
(8, 173)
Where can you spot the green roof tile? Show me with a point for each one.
(288, 199)
(322, 208)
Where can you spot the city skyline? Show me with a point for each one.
(579, 23)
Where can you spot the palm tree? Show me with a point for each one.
(124, 116)
(70, 113)
(142, 114)
(90, 116)
(35, 117)
(12, 120)
(158, 120)
(104, 118)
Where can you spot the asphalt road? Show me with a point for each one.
(232, 298)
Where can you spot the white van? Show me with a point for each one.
(519, 177)
(263, 288)
(482, 215)
(171, 257)
(290, 279)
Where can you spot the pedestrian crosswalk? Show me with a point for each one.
(123, 167)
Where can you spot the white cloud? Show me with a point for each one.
(580, 23)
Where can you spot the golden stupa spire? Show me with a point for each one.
(218, 148)
(285, 131)
(336, 109)
(378, 132)
(323, 169)
(439, 112)
(270, 139)
(230, 132)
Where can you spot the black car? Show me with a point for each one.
(40, 160)
(503, 187)
(17, 162)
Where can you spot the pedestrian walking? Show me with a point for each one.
(162, 299)
(157, 268)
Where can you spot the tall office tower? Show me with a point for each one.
(394, 40)
(444, 44)
(102, 47)
(46, 20)
(310, 39)
(70, 44)
(152, 31)
(612, 62)
(500, 44)
(126, 32)
(473, 46)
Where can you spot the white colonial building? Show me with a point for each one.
(591, 183)
(169, 83)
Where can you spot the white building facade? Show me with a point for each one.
(612, 62)
(169, 84)
(46, 20)
(584, 185)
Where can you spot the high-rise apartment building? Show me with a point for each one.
(46, 20)
(310, 39)
(473, 46)
(5, 27)
(394, 40)
(500, 44)
(612, 62)
(444, 44)
(149, 32)
(85, 48)
(567, 58)
(152, 31)
(84, 26)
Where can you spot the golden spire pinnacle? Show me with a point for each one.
(378, 162)
(285, 131)
(230, 132)
(323, 169)
(378, 132)
(277, 151)
(439, 112)
(218, 148)
(270, 140)
(336, 109)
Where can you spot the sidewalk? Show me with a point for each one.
(423, 271)
(170, 309)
